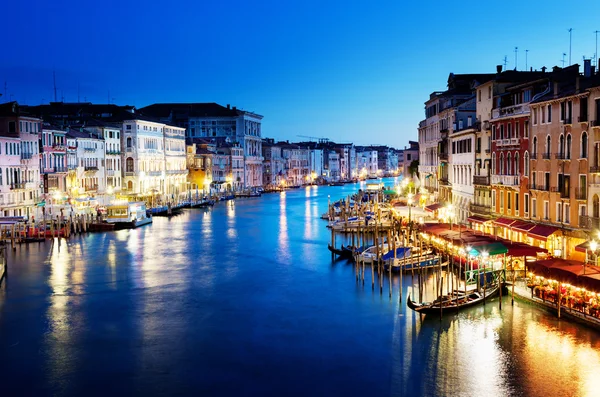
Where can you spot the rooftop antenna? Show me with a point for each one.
(526, 51)
(596, 53)
(54, 77)
(516, 56)
(570, 41)
(563, 60)
(505, 61)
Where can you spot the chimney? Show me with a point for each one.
(587, 68)
(234, 108)
(498, 69)
(228, 106)
(555, 88)
(544, 69)
(577, 84)
(531, 69)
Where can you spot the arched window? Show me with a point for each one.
(526, 163)
(595, 206)
(494, 171)
(129, 165)
(568, 154)
(561, 146)
(508, 165)
(548, 146)
(129, 142)
(535, 151)
(130, 185)
(516, 167)
(584, 144)
(501, 170)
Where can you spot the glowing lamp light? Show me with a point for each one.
(593, 245)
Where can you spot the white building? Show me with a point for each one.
(112, 139)
(334, 166)
(316, 162)
(175, 161)
(90, 174)
(144, 158)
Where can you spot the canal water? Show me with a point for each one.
(243, 299)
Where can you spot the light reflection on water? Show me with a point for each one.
(246, 294)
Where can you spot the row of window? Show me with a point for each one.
(462, 146)
(564, 146)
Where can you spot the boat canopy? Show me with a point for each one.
(400, 252)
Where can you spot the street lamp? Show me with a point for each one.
(450, 213)
(593, 247)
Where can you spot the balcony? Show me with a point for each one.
(481, 180)
(567, 121)
(90, 168)
(595, 123)
(581, 193)
(129, 173)
(443, 156)
(110, 172)
(154, 173)
(595, 169)
(533, 156)
(508, 111)
(487, 151)
(506, 180)
(89, 149)
(444, 181)
(546, 156)
(480, 209)
(17, 186)
(589, 222)
(113, 152)
(565, 193)
(26, 156)
(60, 148)
(582, 119)
(91, 188)
(542, 188)
(508, 142)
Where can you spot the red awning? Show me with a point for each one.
(504, 221)
(520, 249)
(522, 226)
(583, 247)
(433, 207)
(477, 219)
(541, 232)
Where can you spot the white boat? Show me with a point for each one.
(128, 215)
(370, 254)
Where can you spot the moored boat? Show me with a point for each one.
(128, 215)
(452, 303)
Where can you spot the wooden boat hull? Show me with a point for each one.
(450, 305)
(342, 253)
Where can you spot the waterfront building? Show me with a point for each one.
(315, 161)
(434, 141)
(111, 133)
(210, 120)
(199, 164)
(560, 166)
(89, 174)
(20, 161)
(53, 163)
(221, 172)
(368, 162)
(175, 162)
(591, 221)
(406, 158)
(511, 182)
(273, 164)
(296, 163)
(333, 166)
(144, 158)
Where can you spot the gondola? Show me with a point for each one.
(342, 252)
(450, 304)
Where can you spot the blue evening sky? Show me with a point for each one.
(349, 71)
